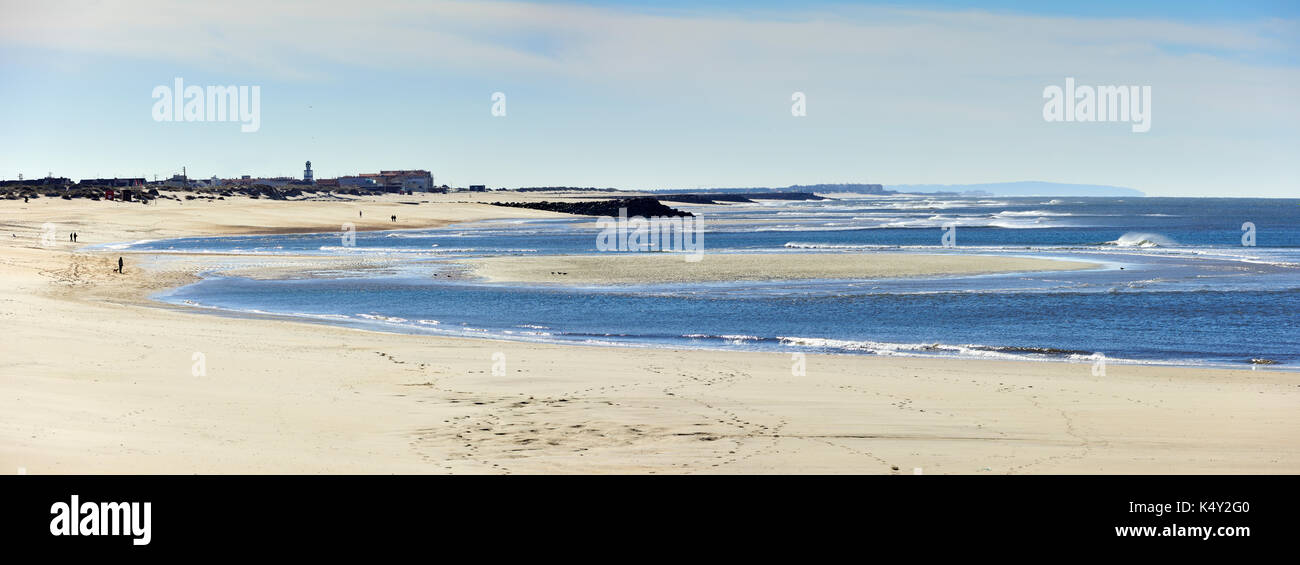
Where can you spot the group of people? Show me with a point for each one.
(393, 217)
(72, 237)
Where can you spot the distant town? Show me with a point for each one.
(399, 181)
(403, 181)
(411, 181)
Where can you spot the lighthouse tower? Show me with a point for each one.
(306, 174)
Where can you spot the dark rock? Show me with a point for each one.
(644, 206)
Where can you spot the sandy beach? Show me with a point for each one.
(96, 378)
(673, 268)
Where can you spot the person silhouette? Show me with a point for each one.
(119, 265)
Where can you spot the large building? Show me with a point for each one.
(404, 180)
(362, 181)
(306, 174)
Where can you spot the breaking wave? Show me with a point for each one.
(938, 349)
(1142, 239)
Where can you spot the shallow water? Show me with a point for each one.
(1188, 291)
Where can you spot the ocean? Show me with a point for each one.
(1175, 284)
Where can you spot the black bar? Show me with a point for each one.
(321, 514)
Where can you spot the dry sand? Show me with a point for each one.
(94, 378)
(674, 268)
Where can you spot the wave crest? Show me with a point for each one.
(1142, 239)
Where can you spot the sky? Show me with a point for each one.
(661, 95)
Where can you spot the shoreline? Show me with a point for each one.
(96, 383)
(153, 300)
(292, 266)
(406, 330)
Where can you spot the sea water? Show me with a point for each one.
(1175, 284)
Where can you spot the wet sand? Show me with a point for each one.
(96, 378)
(650, 268)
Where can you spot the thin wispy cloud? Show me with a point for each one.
(869, 71)
(606, 42)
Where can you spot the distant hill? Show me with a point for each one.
(1022, 188)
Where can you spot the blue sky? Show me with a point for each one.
(1181, 9)
(661, 94)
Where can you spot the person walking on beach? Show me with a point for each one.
(394, 217)
(119, 265)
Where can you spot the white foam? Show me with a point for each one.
(1142, 239)
(907, 349)
(377, 317)
(734, 339)
(802, 245)
(1028, 213)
